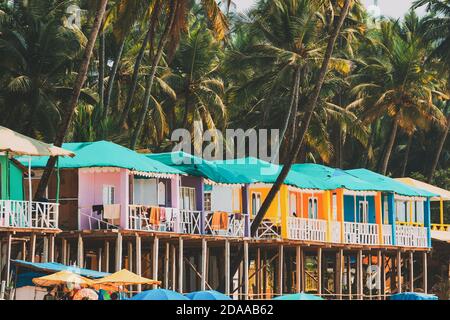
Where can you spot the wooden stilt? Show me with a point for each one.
(302, 271)
(298, 268)
(24, 250)
(107, 256)
(63, 251)
(155, 258)
(118, 252)
(227, 267)
(411, 271)
(246, 266)
(204, 260)
(174, 272)
(425, 272)
(399, 271)
(383, 275)
(138, 245)
(32, 247)
(280, 268)
(359, 275)
(265, 284)
(8, 258)
(166, 266)
(180, 265)
(380, 274)
(339, 271)
(100, 258)
(51, 249)
(349, 276)
(45, 249)
(319, 271)
(258, 272)
(130, 256)
(80, 253)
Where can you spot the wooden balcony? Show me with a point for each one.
(411, 236)
(28, 214)
(225, 224)
(361, 233)
(307, 229)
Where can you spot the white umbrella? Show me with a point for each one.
(15, 143)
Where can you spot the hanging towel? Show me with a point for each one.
(215, 221)
(162, 214)
(154, 216)
(224, 221)
(111, 211)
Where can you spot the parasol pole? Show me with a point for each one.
(58, 179)
(30, 192)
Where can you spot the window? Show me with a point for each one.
(293, 205)
(161, 193)
(400, 208)
(420, 211)
(334, 206)
(385, 211)
(313, 208)
(363, 211)
(256, 203)
(207, 201)
(108, 194)
(187, 198)
(236, 199)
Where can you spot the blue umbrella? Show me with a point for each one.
(413, 296)
(207, 295)
(298, 296)
(159, 294)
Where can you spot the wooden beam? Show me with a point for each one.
(425, 272)
(32, 247)
(380, 273)
(45, 249)
(166, 266)
(100, 258)
(107, 256)
(80, 253)
(8, 258)
(138, 246)
(174, 267)
(227, 267)
(411, 271)
(399, 271)
(51, 249)
(339, 272)
(204, 260)
(63, 251)
(319, 271)
(180, 264)
(383, 275)
(258, 274)
(280, 268)
(118, 253)
(298, 268)
(130, 256)
(155, 259)
(246, 266)
(359, 274)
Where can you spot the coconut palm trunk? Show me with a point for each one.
(406, 158)
(101, 70)
(72, 104)
(151, 77)
(310, 106)
(389, 146)
(439, 149)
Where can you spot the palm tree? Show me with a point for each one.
(438, 30)
(395, 84)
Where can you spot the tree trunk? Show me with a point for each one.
(70, 108)
(101, 70)
(149, 84)
(112, 77)
(407, 150)
(302, 131)
(439, 149)
(389, 146)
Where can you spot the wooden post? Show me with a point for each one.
(100, 258)
(411, 271)
(227, 267)
(383, 275)
(166, 266)
(130, 255)
(155, 259)
(8, 258)
(138, 245)
(80, 253)
(399, 271)
(349, 276)
(339, 268)
(32, 247)
(359, 275)
(258, 272)
(63, 251)
(180, 265)
(174, 262)
(280, 268)
(246, 266)
(118, 252)
(107, 256)
(204, 262)
(51, 249)
(319, 271)
(380, 274)
(24, 250)
(298, 268)
(425, 273)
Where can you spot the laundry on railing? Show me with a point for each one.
(111, 212)
(219, 220)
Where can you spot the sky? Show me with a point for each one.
(392, 8)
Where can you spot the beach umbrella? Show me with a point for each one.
(17, 144)
(159, 294)
(63, 278)
(85, 294)
(124, 278)
(207, 295)
(413, 296)
(298, 296)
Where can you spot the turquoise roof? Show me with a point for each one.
(384, 183)
(104, 154)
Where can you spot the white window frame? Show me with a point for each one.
(108, 194)
(191, 196)
(364, 215)
(313, 208)
(257, 204)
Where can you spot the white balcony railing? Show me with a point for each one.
(161, 219)
(307, 229)
(28, 214)
(411, 236)
(387, 234)
(361, 233)
(268, 229)
(335, 227)
(94, 221)
(225, 224)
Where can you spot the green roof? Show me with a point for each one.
(384, 183)
(104, 154)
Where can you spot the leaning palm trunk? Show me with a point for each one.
(439, 149)
(101, 70)
(389, 146)
(70, 108)
(406, 158)
(112, 77)
(310, 106)
(151, 77)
